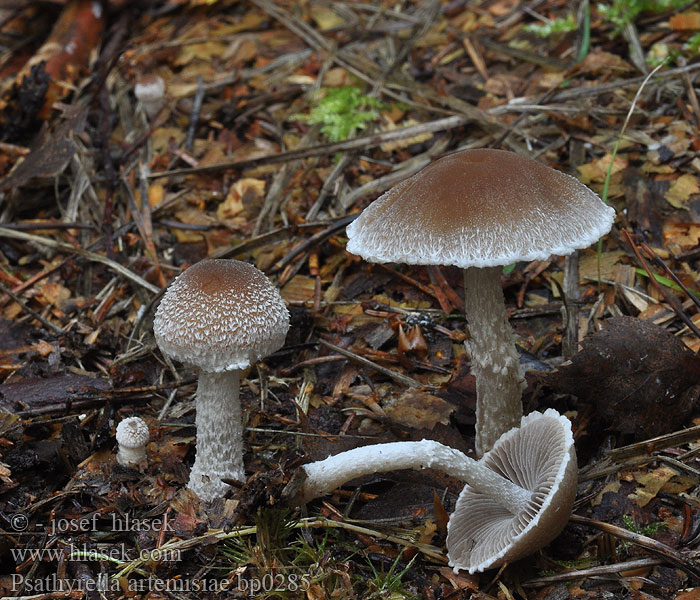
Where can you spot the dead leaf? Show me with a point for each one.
(461, 581)
(55, 294)
(588, 265)
(597, 170)
(685, 21)
(605, 63)
(613, 486)
(681, 190)
(685, 235)
(419, 410)
(242, 192)
(326, 18)
(651, 483)
(389, 125)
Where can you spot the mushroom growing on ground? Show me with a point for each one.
(150, 92)
(517, 498)
(220, 316)
(132, 437)
(479, 210)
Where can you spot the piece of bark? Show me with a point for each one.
(640, 378)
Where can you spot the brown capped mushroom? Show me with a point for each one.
(479, 210)
(150, 92)
(220, 316)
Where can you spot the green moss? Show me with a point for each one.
(342, 111)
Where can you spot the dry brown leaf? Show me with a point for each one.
(613, 486)
(461, 581)
(337, 77)
(685, 21)
(685, 235)
(588, 265)
(604, 63)
(326, 18)
(206, 52)
(389, 125)
(161, 138)
(651, 483)
(242, 192)
(299, 288)
(596, 171)
(54, 293)
(418, 409)
(681, 191)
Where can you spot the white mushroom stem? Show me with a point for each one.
(326, 475)
(495, 360)
(131, 456)
(219, 435)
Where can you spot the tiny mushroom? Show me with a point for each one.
(132, 437)
(150, 92)
(220, 316)
(480, 210)
(517, 498)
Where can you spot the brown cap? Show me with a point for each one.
(480, 208)
(220, 315)
(149, 88)
(539, 456)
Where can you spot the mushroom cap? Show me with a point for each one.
(221, 315)
(132, 432)
(149, 88)
(538, 456)
(480, 208)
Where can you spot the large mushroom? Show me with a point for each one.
(517, 498)
(479, 210)
(220, 316)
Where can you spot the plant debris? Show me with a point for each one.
(279, 123)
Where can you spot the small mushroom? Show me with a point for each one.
(517, 498)
(479, 210)
(220, 316)
(132, 437)
(150, 92)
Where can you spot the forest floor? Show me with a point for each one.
(281, 121)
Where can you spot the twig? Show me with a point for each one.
(593, 571)
(194, 114)
(662, 290)
(613, 458)
(660, 263)
(397, 377)
(39, 225)
(596, 90)
(115, 266)
(363, 142)
(30, 311)
(314, 240)
(681, 560)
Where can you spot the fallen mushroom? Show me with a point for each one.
(220, 316)
(517, 498)
(479, 210)
(132, 436)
